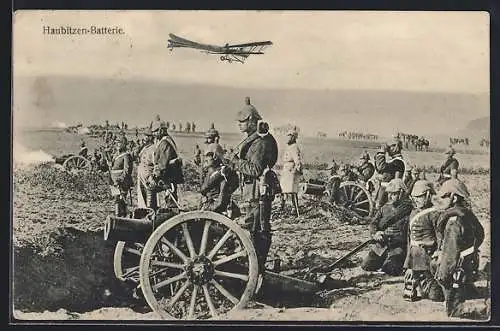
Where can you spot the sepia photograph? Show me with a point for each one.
(278, 165)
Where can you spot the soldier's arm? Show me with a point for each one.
(478, 230)
(380, 162)
(450, 251)
(257, 161)
(162, 155)
(297, 159)
(223, 199)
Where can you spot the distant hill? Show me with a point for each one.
(481, 124)
(40, 101)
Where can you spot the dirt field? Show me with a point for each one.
(63, 267)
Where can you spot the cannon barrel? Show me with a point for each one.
(138, 228)
(312, 189)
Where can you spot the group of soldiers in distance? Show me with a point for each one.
(434, 246)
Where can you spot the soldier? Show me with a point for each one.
(334, 181)
(412, 177)
(212, 141)
(451, 163)
(83, 150)
(146, 197)
(167, 169)
(197, 155)
(388, 167)
(121, 178)
(292, 169)
(257, 155)
(365, 169)
(423, 240)
(388, 230)
(218, 186)
(458, 253)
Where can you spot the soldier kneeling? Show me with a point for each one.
(388, 230)
(422, 246)
(219, 185)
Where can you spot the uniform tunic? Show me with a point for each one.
(388, 169)
(121, 172)
(217, 187)
(448, 165)
(423, 238)
(165, 152)
(144, 171)
(292, 167)
(366, 171)
(255, 155)
(460, 230)
(390, 254)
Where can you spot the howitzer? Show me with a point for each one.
(328, 268)
(138, 228)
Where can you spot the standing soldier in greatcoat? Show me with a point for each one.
(292, 169)
(167, 165)
(388, 167)
(462, 235)
(423, 241)
(259, 184)
(121, 177)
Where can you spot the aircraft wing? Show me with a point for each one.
(176, 41)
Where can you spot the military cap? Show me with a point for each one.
(454, 186)
(211, 133)
(156, 126)
(395, 185)
(450, 150)
(421, 187)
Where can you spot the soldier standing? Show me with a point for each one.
(292, 169)
(388, 230)
(423, 240)
(121, 177)
(388, 166)
(167, 169)
(458, 254)
(257, 155)
(451, 163)
(146, 197)
(197, 155)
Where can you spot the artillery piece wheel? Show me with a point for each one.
(126, 261)
(211, 271)
(355, 197)
(76, 162)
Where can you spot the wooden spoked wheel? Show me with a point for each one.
(76, 163)
(355, 197)
(198, 265)
(126, 261)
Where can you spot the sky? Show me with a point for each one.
(338, 50)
